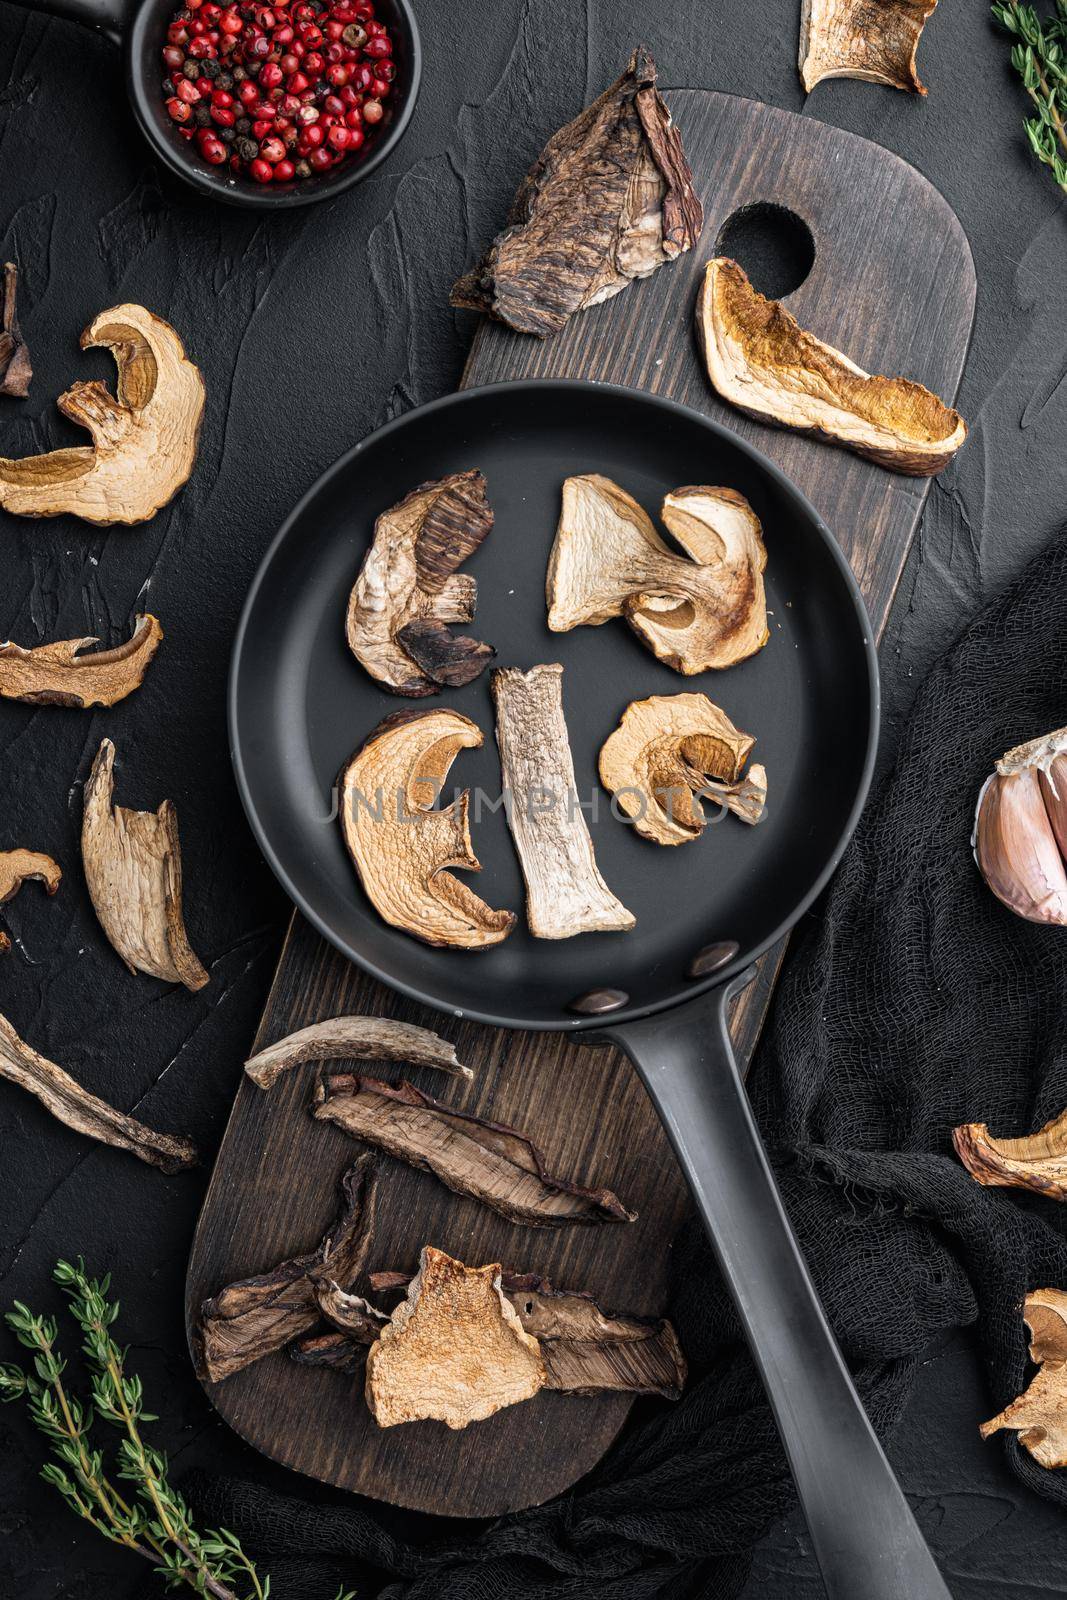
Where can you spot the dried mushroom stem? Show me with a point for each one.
(705, 609)
(609, 199)
(409, 589)
(454, 1351)
(876, 43)
(1037, 1162)
(565, 892)
(401, 846)
(59, 674)
(488, 1161)
(19, 866)
(256, 1316)
(1040, 1414)
(762, 361)
(15, 368)
(133, 869)
(86, 1113)
(144, 442)
(1020, 829)
(356, 1039)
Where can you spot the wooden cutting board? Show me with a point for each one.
(892, 285)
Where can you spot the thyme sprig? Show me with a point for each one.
(1040, 59)
(152, 1518)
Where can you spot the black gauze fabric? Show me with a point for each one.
(912, 1001)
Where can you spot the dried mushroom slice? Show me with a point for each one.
(350, 1312)
(454, 1351)
(86, 1113)
(565, 892)
(59, 674)
(873, 40)
(356, 1039)
(15, 368)
(133, 869)
(16, 866)
(1038, 1162)
(1040, 1414)
(659, 760)
(144, 442)
(256, 1316)
(341, 1352)
(695, 612)
(488, 1161)
(762, 361)
(609, 199)
(409, 589)
(401, 846)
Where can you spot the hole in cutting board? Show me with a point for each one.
(772, 243)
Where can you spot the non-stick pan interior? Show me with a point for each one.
(301, 703)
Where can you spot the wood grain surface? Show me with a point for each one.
(893, 286)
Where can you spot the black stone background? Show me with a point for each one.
(311, 329)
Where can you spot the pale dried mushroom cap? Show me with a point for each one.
(762, 361)
(454, 1350)
(16, 867)
(1040, 1414)
(875, 42)
(59, 674)
(695, 612)
(409, 590)
(660, 757)
(144, 442)
(402, 863)
(1037, 1162)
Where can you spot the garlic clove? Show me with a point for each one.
(1015, 846)
(1053, 780)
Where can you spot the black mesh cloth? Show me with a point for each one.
(912, 1001)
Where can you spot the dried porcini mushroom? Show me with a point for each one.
(1020, 829)
(15, 368)
(58, 674)
(610, 198)
(454, 1351)
(252, 1318)
(409, 589)
(401, 846)
(1040, 1414)
(86, 1113)
(659, 760)
(341, 1352)
(762, 361)
(16, 867)
(695, 611)
(356, 1039)
(488, 1161)
(1037, 1162)
(565, 893)
(133, 870)
(350, 1312)
(874, 40)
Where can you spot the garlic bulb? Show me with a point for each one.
(1020, 829)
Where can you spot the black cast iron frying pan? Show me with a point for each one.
(141, 26)
(300, 704)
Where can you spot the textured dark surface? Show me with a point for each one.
(310, 330)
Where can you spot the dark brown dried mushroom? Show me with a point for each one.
(453, 1351)
(58, 674)
(565, 892)
(874, 40)
(488, 1161)
(1038, 1162)
(133, 870)
(18, 866)
(341, 1352)
(762, 361)
(409, 589)
(356, 1039)
(1040, 1414)
(15, 368)
(350, 1312)
(86, 1113)
(251, 1318)
(401, 845)
(705, 609)
(144, 442)
(609, 199)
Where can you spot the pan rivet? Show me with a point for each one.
(595, 1002)
(712, 957)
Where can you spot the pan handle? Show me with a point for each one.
(865, 1538)
(106, 16)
